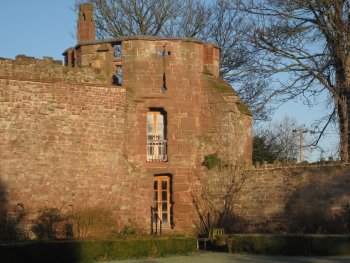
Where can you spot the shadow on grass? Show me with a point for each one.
(40, 251)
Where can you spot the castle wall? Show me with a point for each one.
(144, 69)
(288, 198)
(194, 110)
(48, 70)
(226, 122)
(61, 137)
(70, 139)
(297, 198)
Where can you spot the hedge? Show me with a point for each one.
(297, 245)
(92, 251)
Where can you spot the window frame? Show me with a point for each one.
(157, 138)
(158, 200)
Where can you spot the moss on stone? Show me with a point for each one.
(211, 160)
(204, 139)
(224, 87)
(207, 72)
(243, 108)
(217, 83)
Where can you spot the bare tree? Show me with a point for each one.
(228, 29)
(149, 17)
(282, 136)
(192, 17)
(310, 41)
(216, 195)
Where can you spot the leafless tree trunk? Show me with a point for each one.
(216, 195)
(309, 40)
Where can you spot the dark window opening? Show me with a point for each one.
(118, 77)
(117, 50)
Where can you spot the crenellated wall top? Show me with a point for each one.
(48, 70)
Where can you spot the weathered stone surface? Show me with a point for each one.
(285, 198)
(70, 139)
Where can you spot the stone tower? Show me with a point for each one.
(86, 25)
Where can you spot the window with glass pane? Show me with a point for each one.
(162, 198)
(155, 125)
(156, 142)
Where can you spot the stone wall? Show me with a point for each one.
(200, 118)
(49, 70)
(295, 198)
(226, 122)
(61, 137)
(69, 139)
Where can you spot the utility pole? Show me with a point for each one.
(301, 132)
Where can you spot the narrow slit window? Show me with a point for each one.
(118, 51)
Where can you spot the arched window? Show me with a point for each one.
(156, 136)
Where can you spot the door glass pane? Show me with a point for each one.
(161, 198)
(165, 218)
(164, 185)
(164, 196)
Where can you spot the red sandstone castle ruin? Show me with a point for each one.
(124, 124)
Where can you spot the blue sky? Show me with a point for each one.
(47, 27)
(36, 27)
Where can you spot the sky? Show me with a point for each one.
(36, 27)
(41, 28)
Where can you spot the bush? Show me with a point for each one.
(211, 160)
(90, 251)
(131, 229)
(47, 223)
(11, 228)
(91, 223)
(291, 244)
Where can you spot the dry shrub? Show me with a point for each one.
(131, 228)
(11, 227)
(46, 225)
(216, 194)
(91, 223)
